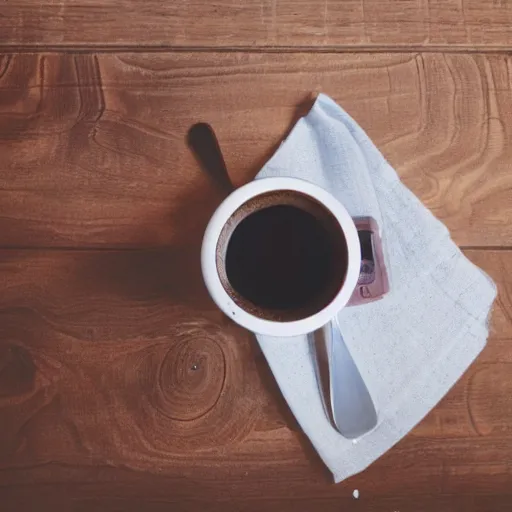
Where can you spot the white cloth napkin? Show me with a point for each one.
(414, 344)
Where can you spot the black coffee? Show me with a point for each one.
(286, 261)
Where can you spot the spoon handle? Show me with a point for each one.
(202, 140)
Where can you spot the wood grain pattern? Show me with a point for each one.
(122, 387)
(261, 23)
(116, 393)
(94, 153)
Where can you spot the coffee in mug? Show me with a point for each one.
(282, 256)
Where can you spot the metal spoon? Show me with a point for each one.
(352, 408)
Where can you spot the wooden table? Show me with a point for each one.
(102, 208)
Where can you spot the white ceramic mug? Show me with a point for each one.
(209, 257)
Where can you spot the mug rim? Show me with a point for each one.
(209, 251)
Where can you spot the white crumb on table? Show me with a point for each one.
(355, 494)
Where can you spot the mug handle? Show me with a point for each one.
(373, 282)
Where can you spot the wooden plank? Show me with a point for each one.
(121, 493)
(99, 398)
(261, 23)
(94, 154)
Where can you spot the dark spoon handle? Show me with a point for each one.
(203, 142)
